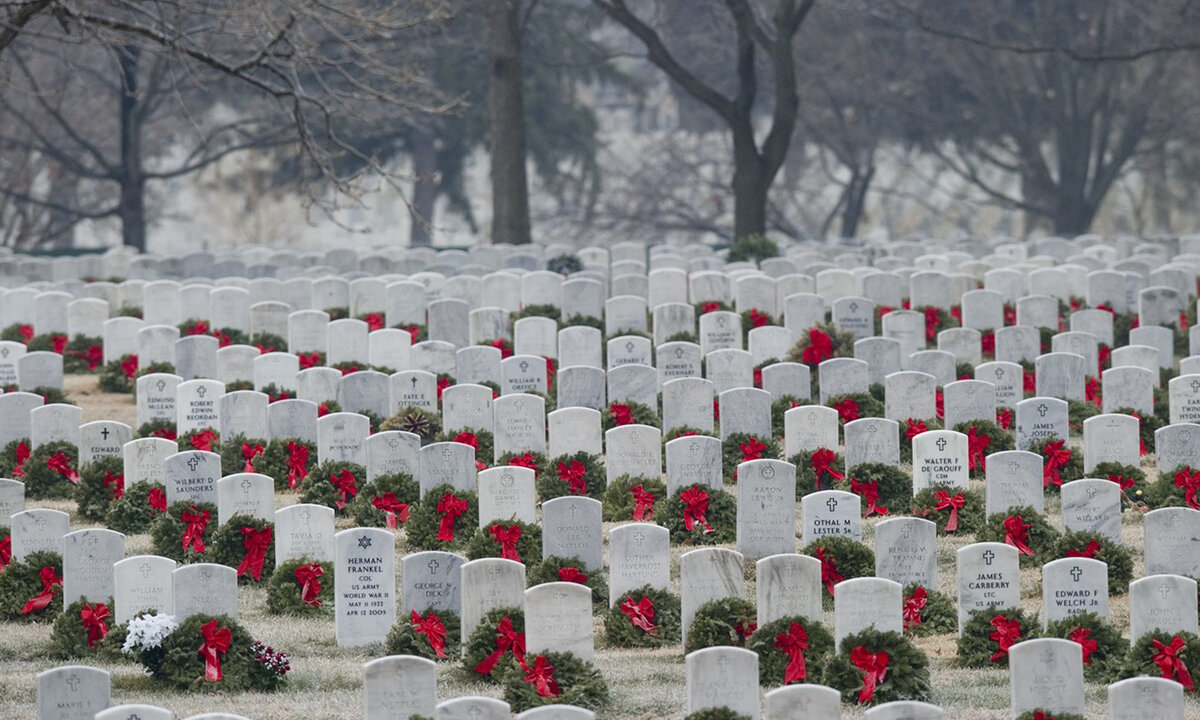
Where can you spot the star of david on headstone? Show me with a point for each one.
(73, 682)
(433, 566)
(941, 444)
(364, 542)
(832, 504)
(201, 391)
(1075, 573)
(192, 463)
(988, 557)
(1042, 409)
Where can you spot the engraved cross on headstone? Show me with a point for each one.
(941, 444)
(639, 538)
(73, 682)
(433, 566)
(832, 504)
(201, 391)
(1042, 409)
(105, 433)
(988, 557)
(192, 462)
(144, 568)
(1076, 573)
(1164, 591)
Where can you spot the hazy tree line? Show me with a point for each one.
(1039, 106)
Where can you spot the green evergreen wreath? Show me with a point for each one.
(228, 547)
(418, 331)
(716, 713)
(999, 439)
(728, 621)
(83, 356)
(913, 426)
(194, 440)
(22, 581)
(46, 342)
(1041, 536)
(970, 516)
(484, 444)
(233, 460)
(639, 414)
(275, 458)
(424, 521)
(115, 379)
(157, 428)
(536, 461)
(183, 666)
(938, 616)
(683, 431)
(42, 482)
(482, 643)
(1148, 424)
(773, 661)
(53, 395)
(579, 683)
(8, 459)
(721, 517)
(284, 590)
(528, 547)
(1103, 663)
(69, 637)
(1078, 411)
(842, 558)
(977, 647)
(892, 485)
(779, 408)
(557, 569)
(545, 310)
(93, 497)
(318, 488)
(620, 631)
(1163, 493)
(806, 477)
(841, 345)
(401, 485)
(1072, 469)
(552, 483)
(1047, 715)
(158, 367)
(275, 393)
(166, 532)
(1135, 490)
(619, 502)
(415, 420)
(736, 447)
(403, 639)
(1117, 557)
(1138, 661)
(268, 342)
(907, 676)
(584, 320)
(133, 514)
(864, 405)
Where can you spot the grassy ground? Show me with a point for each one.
(326, 680)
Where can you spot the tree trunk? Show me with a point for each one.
(424, 188)
(856, 200)
(132, 204)
(750, 186)
(506, 121)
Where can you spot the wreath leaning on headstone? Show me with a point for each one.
(581, 473)
(699, 515)
(101, 483)
(31, 589)
(629, 498)
(1060, 464)
(629, 413)
(334, 484)
(160, 428)
(14, 458)
(552, 678)
(185, 531)
(842, 558)
(509, 539)
(984, 437)
(928, 612)
(431, 634)
(1088, 544)
(645, 617)
(1025, 529)
(228, 659)
(728, 621)
(716, 713)
(301, 587)
(387, 501)
(820, 469)
(738, 448)
(535, 461)
(287, 461)
(135, 510)
(51, 472)
(791, 650)
(855, 406)
(117, 376)
(80, 629)
(496, 643)
(1163, 654)
(1136, 492)
(874, 667)
(955, 511)
(1043, 714)
(1101, 644)
(884, 489)
(241, 454)
(570, 569)
(1177, 487)
(418, 421)
(989, 633)
(445, 519)
(246, 544)
(205, 439)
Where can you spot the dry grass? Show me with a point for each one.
(326, 680)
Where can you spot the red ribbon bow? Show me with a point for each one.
(1088, 646)
(752, 449)
(199, 328)
(256, 543)
(297, 462)
(26, 333)
(977, 442)
(248, 454)
(573, 473)
(1190, 482)
(541, 674)
(1172, 666)
(93, 356)
(193, 534)
(22, 456)
(704, 309)
(820, 348)
(216, 640)
(1090, 551)
(506, 639)
(309, 578)
(570, 574)
(640, 614)
(1016, 533)
(203, 440)
(507, 537)
(374, 321)
(1004, 418)
(914, 428)
(502, 345)
(61, 464)
(390, 504)
(467, 438)
(525, 460)
(58, 343)
(449, 507)
(793, 643)
(308, 360)
(1005, 633)
(758, 319)
(432, 628)
(847, 410)
(939, 404)
(157, 499)
(1091, 391)
(5, 552)
(1057, 456)
(913, 605)
(987, 344)
(954, 502)
(130, 367)
(40, 601)
(1122, 480)
(829, 570)
(695, 506)
(822, 465)
(932, 322)
(346, 484)
(621, 414)
(643, 503)
(869, 491)
(93, 617)
(874, 667)
(115, 483)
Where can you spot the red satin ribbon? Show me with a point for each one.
(507, 537)
(256, 543)
(914, 428)
(1172, 666)
(130, 367)
(869, 491)
(874, 667)
(643, 503)
(61, 464)
(847, 410)
(820, 348)
(203, 440)
(1090, 551)
(216, 641)
(573, 473)
(193, 534)
(913, 605)
(1057, 456)
(22, 456)
(954, 503)
(157, 499)
(449, 507)
(297, 462)
(40, 601)
(829, 571)
(432, 628)
(793, 643)
(822, 464)
(640, 614)
(695, 506)
(248, 454)
(5, 552)
(346, 484)
(309, 578)
(977, 443)
(1016, 533)
(526, 460)
(1088, 646)
(541, 674)
(570, 574)
(1004, 418)
(390, 504)
(621, 414)
(752, 449)
(1190, 482)
(93, 617)
(507, 640)
(1005, 633)
(115, 483)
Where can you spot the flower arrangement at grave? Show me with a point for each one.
(984, 437)
(1080, 410)
(569, 569)
(80, 629)
(14, 459)
(738, 448)
(1023, 528)
(117, 376)
(431, 634)
(185, 531)
(842, 558)
(334, 483)
(1135, 491)
(883, 488)
(482, 440)
(445, 519)
(874, 667)
(791, 650)
(855, 406)
(535, 461)
(31, 589)
(1100, 643)
(268, 342)
(955, 511)
(288, 461)
(239, 454)
(645, 617)
(699, 515)
(387, 501)
(988, 634)
(779, 408)
(52, 471)
(301, 586)
(246, 544)
(101, 483)
(497, 643)
(83, 355)
(727, 621)
(927, 612)
(706, 306)
(1060, 463)
(820, 469)
(820, 343)
(552, 678)
(415, 420)
(1166, 655)
(48, 342)
(716, 713)
(206, 653)
(633, 498)
(630, 413)
(508, 539)
(160, 428)
(205, 439)
(581, 473)
(1088, 544)
(135, 510)
(1043, 714)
